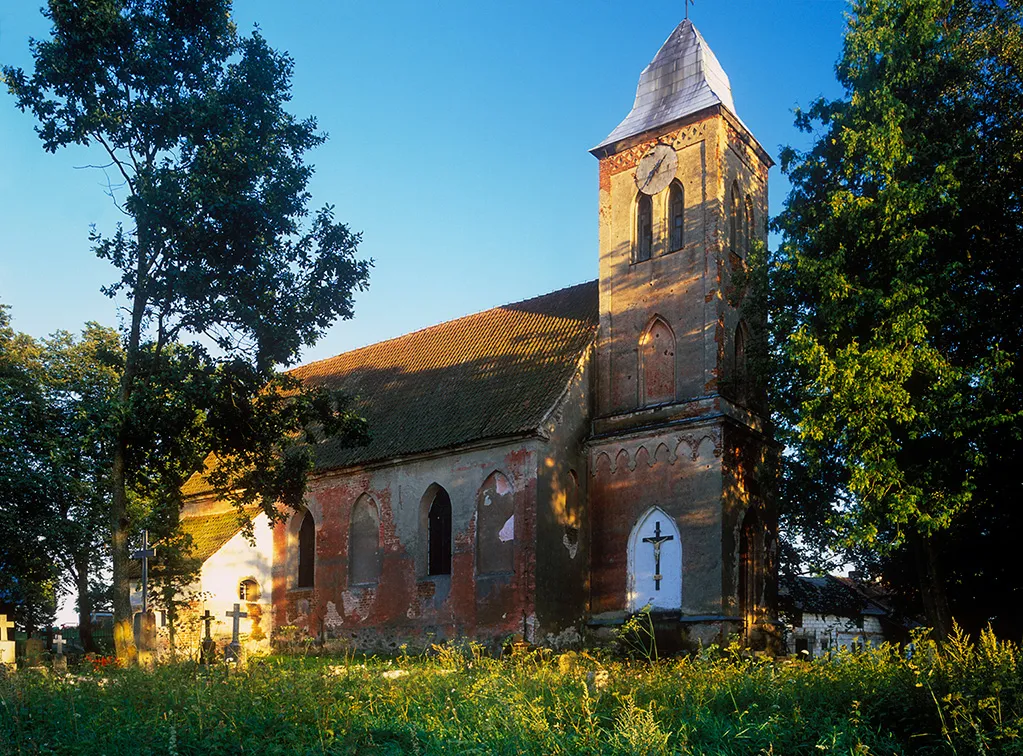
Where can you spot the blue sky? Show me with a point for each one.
(458, 143)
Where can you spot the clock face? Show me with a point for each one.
(656, 169)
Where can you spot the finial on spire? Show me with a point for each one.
(687, 2)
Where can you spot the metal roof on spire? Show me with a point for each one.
(683, 78)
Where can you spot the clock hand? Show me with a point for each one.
(653, 172)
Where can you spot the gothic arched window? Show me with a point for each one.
(644, 228)
(495, 526)
(306, 552)
(364, 558)
(748, 228)
(741, 376)
(733, 219)
(751, 568)
(676, 216)
(439, 534)
(657, 355)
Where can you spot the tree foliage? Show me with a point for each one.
(898, 313)
(224, 274)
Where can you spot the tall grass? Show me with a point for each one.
(962, 698)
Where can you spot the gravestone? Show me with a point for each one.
(34, 648)
(145, 637)
(233, 651)
(59, 660)
(208, 649)
(7, 655)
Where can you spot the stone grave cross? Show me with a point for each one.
(206, 619)
(59, 661)
(145, 554)
(6, 643)
(657, 539)
(236, 615)
(208, 649)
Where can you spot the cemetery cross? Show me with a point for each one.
(144, 554)
(5, 625)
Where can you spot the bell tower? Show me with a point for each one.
(678, 431)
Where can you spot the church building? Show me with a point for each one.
(544, 469)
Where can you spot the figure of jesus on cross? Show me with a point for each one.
(657, 539)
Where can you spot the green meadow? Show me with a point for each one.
(961, 698)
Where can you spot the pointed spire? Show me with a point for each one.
(683, 78)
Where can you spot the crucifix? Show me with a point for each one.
(657, 539)
(58, 642)
(145, 554)
(5, 625)
(208, 649)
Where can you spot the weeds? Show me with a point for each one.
(960, 698)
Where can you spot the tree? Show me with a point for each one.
(80, 380)
(28, 577)
(219, 246)
(898, 312)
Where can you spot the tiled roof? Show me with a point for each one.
(683, 78)
(491, 375)
(494, 374)
(825, 595)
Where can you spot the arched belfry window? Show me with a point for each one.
(657, 362)
(306, 552)
(676, 216)
(733, 219)
(364, 557)
(644, 228)
(439, 534)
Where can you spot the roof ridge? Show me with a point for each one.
(433, 326)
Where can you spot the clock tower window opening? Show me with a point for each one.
(733, 219)
(676, 216)
(644, 228)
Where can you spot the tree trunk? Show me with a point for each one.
(85, 607)
(932, 587)
(124, 636)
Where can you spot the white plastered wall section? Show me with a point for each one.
(237, 560)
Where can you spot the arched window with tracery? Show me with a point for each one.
(733, 219)
(438, 554)
(644, 228)
(364, 557)
(657, 355)
(676, 216)
(306, 552)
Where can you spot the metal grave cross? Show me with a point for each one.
(236, 616)
(145, 554)
(5, 625)
(206, 619)
(657, 539)
(58, 642)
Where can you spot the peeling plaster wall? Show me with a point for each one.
(406, 605)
